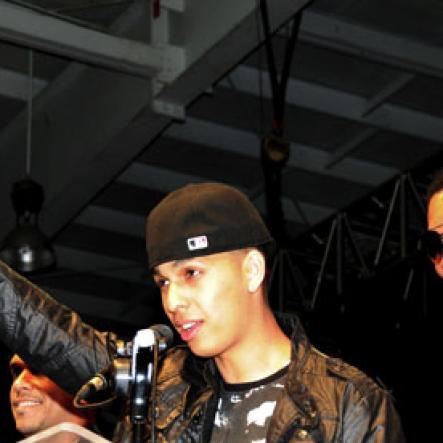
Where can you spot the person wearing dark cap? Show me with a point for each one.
(240, 376)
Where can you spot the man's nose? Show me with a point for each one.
(175, 298)
(23, 380)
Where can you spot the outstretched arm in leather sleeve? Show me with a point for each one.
(49, 336)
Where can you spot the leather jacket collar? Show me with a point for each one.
(199, 381)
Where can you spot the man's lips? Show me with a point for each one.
(188, 329)
(26, 403)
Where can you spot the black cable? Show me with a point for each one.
(279, 87)
(260, 74)
(286, 70)
(76, 402)
(270, 53)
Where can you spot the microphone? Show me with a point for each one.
(161, 335)
(115, 377)
(119, 374)
(164, 336)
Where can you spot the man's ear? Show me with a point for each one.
(255, 267)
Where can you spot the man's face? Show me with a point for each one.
(435, 223)
(206, 299)
(37, 403)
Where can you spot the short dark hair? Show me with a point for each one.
(435, 186)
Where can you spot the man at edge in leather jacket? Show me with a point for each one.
(432, 238)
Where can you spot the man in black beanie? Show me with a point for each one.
(241, 376)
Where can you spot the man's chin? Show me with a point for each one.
(202, 350)
(28, 429)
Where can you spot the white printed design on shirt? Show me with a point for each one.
(259, 415)
(220, 419)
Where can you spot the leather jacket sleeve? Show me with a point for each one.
(372, 419)
(50, 337)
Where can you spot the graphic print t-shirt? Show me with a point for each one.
(244, 410)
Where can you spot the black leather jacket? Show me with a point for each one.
(325, 400)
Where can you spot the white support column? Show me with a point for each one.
(174, 5)
(198, 27)
(160, 31)
(193, 34)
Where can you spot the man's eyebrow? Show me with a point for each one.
(175, 263)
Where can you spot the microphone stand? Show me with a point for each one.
(144, 364)
(132, 374)
(140, 393)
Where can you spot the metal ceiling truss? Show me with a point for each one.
(340, 253)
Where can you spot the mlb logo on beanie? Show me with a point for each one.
(200, 242)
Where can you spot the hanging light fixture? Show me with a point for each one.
(26, 248)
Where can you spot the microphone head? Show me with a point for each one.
(164, 335)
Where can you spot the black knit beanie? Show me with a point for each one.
(202, 219)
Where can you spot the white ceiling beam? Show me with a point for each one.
(146, 125)
(55, 36)
(385, 93)
(353, 38)
(209, 18)
(90, 122)
(174, 5)
(15, 85)
(74, 119)
(166, 180)
(99, 264)
(156, 178)
(351, 145)
(302, 156)
(350, 106)
(234, 24)
(113, 220)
